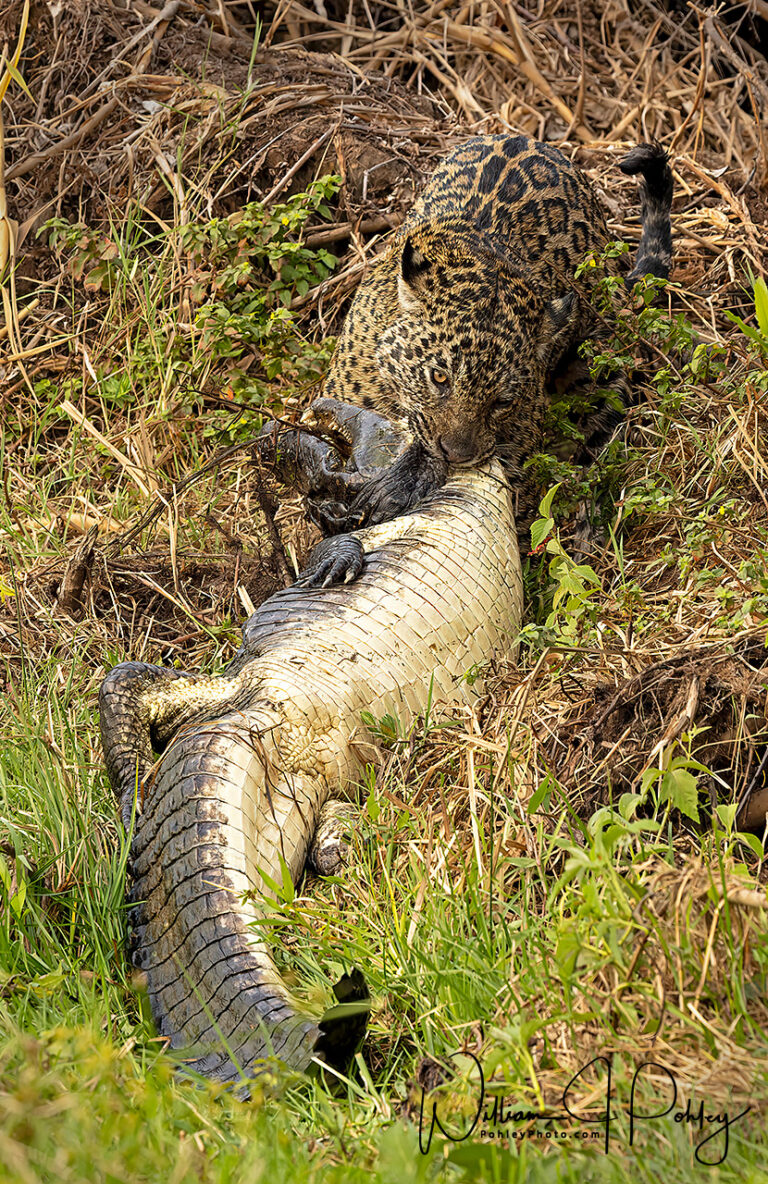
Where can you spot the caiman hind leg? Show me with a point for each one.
(141, 706)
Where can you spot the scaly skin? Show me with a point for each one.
(252, 759)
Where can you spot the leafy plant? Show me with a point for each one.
(676, 784)
(248, 271)
(757, 336)
(574, 602)
(93, 255)
(230, 313)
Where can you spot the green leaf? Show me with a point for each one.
(271, 883)
(567, 951)
(754, 844)
(46, 984)
(628, 803)
(649, 779)
(372, 807)
(748, 331)
(545, 506)
(687, 762)
(612, 835)
(17, 901)
(727, 814)
(288, 892)
(540, 530)
(682, 790)
(14, 73)
(586, 574)
(537, 798)
(761, 305)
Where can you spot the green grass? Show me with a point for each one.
(542, 962)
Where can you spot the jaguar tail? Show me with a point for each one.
(650, 164)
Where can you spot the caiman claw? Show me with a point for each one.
(338, 560)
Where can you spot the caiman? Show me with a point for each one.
(254, 760)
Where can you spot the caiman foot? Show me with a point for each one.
(338, 560)
(329, 850)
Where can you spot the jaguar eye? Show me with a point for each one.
(439, 377)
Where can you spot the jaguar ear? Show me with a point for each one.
(413, 280)
(557, 322)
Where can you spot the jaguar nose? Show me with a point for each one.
(458, 450)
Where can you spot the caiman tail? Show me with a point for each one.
(216, 813)
(251, 761)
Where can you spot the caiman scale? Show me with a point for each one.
(253, 759)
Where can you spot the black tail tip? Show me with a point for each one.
(644, 157)
(651, 162)
(342, 1028)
